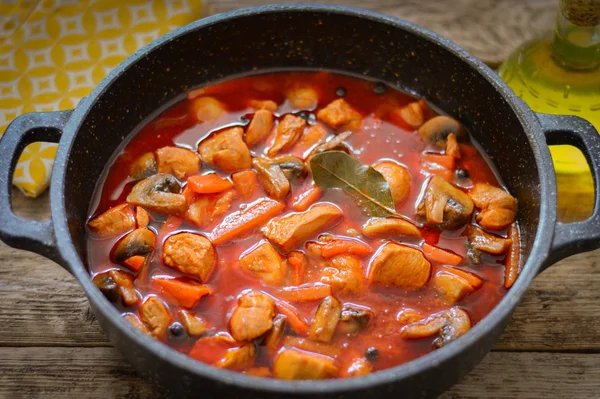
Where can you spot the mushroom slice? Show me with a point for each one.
(260, 127)
(334, 144)
(400, 266)
(290, 230)
(292, 167)
(191, 254)
(480, 240)
(114, 221)
(289, 130)
(252, 317)
(449, 324)
(444, 205)
(144, 166)
(273, 338)
(138, 242)
(398, 179)
(124, 281)
(271, 177)
(338, 114)
(179, 161)
(436, 130)
(193, 324)
(107, 286)
(498, 208)
(159, 193)
(326, 320)
(292, 364)
(354, 318)
(385, 227)
(206, 109)
(155, 316)
(226, 150)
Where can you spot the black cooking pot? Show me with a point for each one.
(300, 36)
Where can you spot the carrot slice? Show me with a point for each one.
(472, 278)
(350, 247)
(246, 220)
(436, 254)
(445, 161)
(208, 184)
(135, 262)
(294, 319)
(187, 294)
(245, 182)
(303, 201)
(305, 293)
(297, 261)
(511, 270)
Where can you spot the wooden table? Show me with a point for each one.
(52, 347)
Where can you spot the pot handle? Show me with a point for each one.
(15, 231)
(573, 238)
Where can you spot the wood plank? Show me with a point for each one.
(102, 373)
(490, 30)
(43, 305)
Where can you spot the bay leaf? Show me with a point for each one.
(336, 169)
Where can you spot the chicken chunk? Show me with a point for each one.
(144, 166)
(339, 115)
(289, 130)
(180, 162)
(399, 266)
(314, 135)
(264, 262)
(397, 177)
(209, 208)
(226, 150)
(259, 128)
(124, 282)
(191, 254)
(386, 227)
(206, 109)
(449, 324)
(302, 97)
(159, 193)
(272, 178)
(116, 220)
(437, 129)
(410, 116)
(252, 317)
(343, 273)
(450, 287)
(445, 206)
(292, 364)
(498, 208)
(326, 320)
(354, 318)
(263, 104)
(155, 316)
(290, 230)
(452, 147)
(238, 358)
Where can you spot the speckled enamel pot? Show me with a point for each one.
(300, 36)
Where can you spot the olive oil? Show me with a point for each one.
(559, 73)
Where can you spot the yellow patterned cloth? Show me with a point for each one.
(54, 52)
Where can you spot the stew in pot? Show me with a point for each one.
(303, 225)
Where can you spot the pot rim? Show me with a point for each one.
(502, 310)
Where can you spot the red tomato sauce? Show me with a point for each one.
(377, 139)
